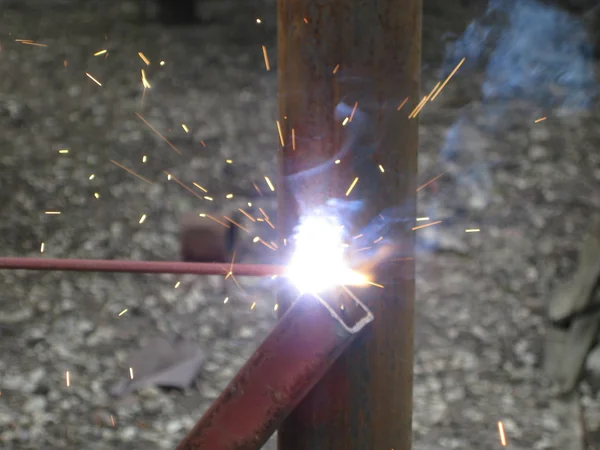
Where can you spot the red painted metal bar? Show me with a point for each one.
(116, 265)
(290, 361)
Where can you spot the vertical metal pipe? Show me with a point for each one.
(363, 53)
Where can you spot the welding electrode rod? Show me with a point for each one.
(289, 362)
(105, 265)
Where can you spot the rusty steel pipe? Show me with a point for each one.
(289, 362)
(117, 265)
(348, 98)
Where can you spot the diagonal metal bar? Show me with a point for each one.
(289, 362)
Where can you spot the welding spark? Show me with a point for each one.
(101, 52)
(353, 111)
(199, 187)
(472, 230)
(280, 133)
(122, 312)
(131, 373)
(42, 247)
(93, 79)
(131, 172)
(145, 82)
(63, 151)
(430, 181)
(247, 215)
(402, 104)
(264, 49)
(540, 119)
(351, 187)
(502, 434)
(30, 42)
(157, 133)
(426, 225)
(236, 224)
(420, 106)
(318, 262)
(293, 139)
(187, 188)
(141, 55)
(270, 184)
(68, 378)
(448, 78)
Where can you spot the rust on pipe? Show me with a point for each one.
(116, 265)
(364, 55)
(289, 362)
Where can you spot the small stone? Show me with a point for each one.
(537, 152)
(128, 433)
(539, 133)
(173, 426)
(35, 404)
(246, 332)
(592, 363)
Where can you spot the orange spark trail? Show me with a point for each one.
(426, 225)
(218, 221)
(448, 79)
(430, 181)
(351, 187)
(264, 49)
(182, 184)
(131, 172)
(353, 111)
(93, 79)
(247, 215)
(158, 134)
(237, 224)
(502, 434)
(280, 133)
(402, 104)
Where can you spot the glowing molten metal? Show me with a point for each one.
(319, 261)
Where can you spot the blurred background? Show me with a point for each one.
(103, 105)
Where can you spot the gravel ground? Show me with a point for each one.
(480, 295)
